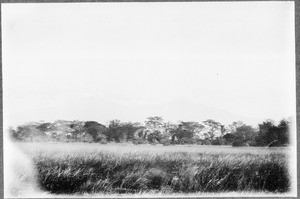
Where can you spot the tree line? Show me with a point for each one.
(156, 131)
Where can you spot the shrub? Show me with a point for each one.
(165, 142)
(185, 140)
(206, 142)
(218, 141)
(252, 143)
(175, 142)
(156, 178)
(103, 142)
(140, 141)
(237, 143)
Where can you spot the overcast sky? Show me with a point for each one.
(71, 60)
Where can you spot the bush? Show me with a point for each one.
(156, 178)
(237, 143)
(206, 142)
(174, 142)
(140, 141)
(218, 141)
(103, 142)
(165, 142)
(186, 141)
(252, 143)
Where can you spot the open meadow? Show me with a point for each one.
(149, 99)
(81, 168)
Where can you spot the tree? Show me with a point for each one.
(29, 132)
(283, 132)
(222, 130)
(129, 129)
(229, 138)
(232, 127)
(13, 134)
(77, 130)
(169, 126)
(115, 131)
(272, 135)
(244, 134)
(96, 130)
(240, 134)
(169, 133)
(266, 134)
(186, 131)
(121, 132)
(220, 139)
(213, 126)
(154, 126)
(154, 123)
(44, 126)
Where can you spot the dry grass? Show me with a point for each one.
(78, 168)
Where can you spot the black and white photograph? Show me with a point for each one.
(149, 99)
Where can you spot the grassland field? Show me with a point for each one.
(81, 168)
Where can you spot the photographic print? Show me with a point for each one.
(149, 99)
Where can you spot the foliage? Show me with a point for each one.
(240, 134)
(96, 130)
(229, 138)
(140, 141)
(156, 131)
(154, 128)
(187, 130)
(114, 132)
(272, 135)
(238, 142)
(154, 123)
(129, 129)
(154, 136)
(218, 141)
(186, 140)
(165, 141)
(28, 132)
(44, 126)
(213, 126)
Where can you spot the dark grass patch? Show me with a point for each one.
(104, 172)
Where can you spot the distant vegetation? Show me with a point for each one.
(86, 157)
(156, 131)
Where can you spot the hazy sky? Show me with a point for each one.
(69, 61)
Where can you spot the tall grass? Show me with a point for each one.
(166, 172)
